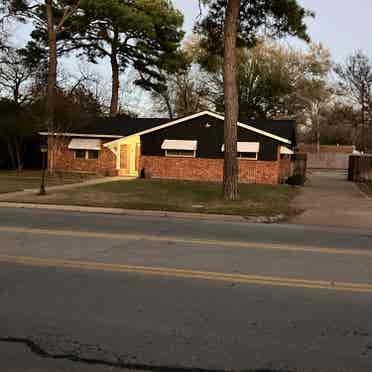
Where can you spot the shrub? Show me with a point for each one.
(296, 180)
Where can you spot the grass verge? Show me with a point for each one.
(179, 196)
(12, 181)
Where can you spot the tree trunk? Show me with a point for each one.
(230, 174)
(52, 74)
(16, 94)
(11, 154)
(316, 119)
(318, 141)
(18, 153)
(169, 106)
(115, 77)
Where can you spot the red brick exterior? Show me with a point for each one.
(64, 160)
(198, 169)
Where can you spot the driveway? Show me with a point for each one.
(328, 199)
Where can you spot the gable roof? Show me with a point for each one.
(282, 128)
(118, 127)
(124, 126)
(167, 124)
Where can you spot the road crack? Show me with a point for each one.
(39, 351)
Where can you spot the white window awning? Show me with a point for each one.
(246, 147)
(85, 144)
(179, 145)
(285, 151)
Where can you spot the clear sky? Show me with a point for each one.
(342, 25)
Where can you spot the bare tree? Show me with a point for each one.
(355, 83)
(53, 17)
(185, 93)
(14, 74)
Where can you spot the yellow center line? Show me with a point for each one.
(189, 241)
(190, 274)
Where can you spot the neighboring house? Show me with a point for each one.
(189, 148)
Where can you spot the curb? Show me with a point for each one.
(145, 213)
(124, 212)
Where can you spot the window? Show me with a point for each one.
(248, 155)
(80, 154)
(93, 154)
(180, 148)
(85, 148)
(87, 154)
(246, 150)
(180, 153)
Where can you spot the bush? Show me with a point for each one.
(296, 180)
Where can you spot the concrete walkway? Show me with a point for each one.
(11, 195)
(330, 200)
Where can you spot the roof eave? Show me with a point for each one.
(68, 134)
(210, 113)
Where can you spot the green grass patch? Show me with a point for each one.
(181, 196)
(11, 181)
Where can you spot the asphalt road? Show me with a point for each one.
(85, 292)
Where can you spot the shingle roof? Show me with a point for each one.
(282, 128)
(125, 126)
(119, 126)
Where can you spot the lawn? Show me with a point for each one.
(11, 181)
(185, 196)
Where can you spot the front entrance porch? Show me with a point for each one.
(128, 153)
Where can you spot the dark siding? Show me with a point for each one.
(209, 139)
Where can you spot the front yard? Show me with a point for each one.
(181, 196)
(11, 181)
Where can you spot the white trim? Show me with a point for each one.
(85, 144)
(243, 157)
(180, 156)
(285, 151)
(190, 117)
(179, 145)
(79, 135)
(253, 147)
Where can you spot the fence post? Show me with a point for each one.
(300, 166)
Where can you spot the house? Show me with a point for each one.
(189, 148)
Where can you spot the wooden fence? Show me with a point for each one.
(360, 168)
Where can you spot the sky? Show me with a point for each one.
(341, 25)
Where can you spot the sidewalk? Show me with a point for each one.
(11, 195)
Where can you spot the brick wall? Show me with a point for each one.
(64, 160)
(197, 169)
